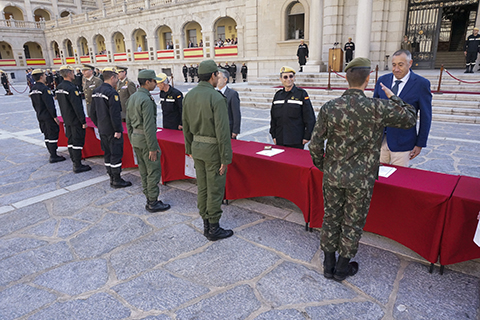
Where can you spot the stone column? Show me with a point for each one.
(315, 38)
(78, 4)
(208, 44)
(241, 41)
(55, 13)
(364, 27)
(129, 49)
(110, 48)
(178, 45)
(29, 15)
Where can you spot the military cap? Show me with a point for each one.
(286, 69)
(148, 74)
(121, 68)
(475, 29)
(87, 67)
(76, 69)
(53, 70)
(362, 63)
(48, 69)
(207, 66)
(110, 69)
(67, 67)
(162, 76)
(1, 71)
(37, 71)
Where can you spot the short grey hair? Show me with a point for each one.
(403, 51)
(225, 73)
(64, 72)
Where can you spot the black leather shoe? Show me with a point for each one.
(156, 206)
(206, 227)
(56, 158)
(216, 233)
(345, 269)
(118, 182)
(329, 263)
(81, 168)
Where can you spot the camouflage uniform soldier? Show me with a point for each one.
(207, 139)
(353, 127)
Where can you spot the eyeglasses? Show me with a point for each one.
(288, 76)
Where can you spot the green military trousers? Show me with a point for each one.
(150, 171)
(211, 189)
(345, 216)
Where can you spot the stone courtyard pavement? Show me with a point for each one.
(71, 247)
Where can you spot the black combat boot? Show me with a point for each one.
(52, 149)
(215, 232)
(467, 69)
(77, 162)
(206, 227)
(156, 206)
(345, 269)
(117, 181)
(329, 262)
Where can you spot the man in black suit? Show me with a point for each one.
(233, 102)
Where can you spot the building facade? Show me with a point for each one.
(166, 34)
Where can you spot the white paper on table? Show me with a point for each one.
(271, 152)
(476, 237)
(158, 129)
(97, 134)
(386, 172)
(190, 167)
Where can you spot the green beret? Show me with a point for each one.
(363, 63)
(148, 74)
(207, 66)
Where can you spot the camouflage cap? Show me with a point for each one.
(148, 74)
(286, 69)
(37, 71)
(207, 66)
(363, 63)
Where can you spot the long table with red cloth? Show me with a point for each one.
(409, 207)
(425, 211)
(284, 175)
(457, 241)
(92, 147)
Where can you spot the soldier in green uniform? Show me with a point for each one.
(125, 88)
(142, 131)
(90, 83)
(207, 139)
(353, 127)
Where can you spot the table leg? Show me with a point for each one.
(306, 226)
(442, 268)
(431, 268)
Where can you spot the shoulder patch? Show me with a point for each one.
(49, 92)
(76, 92)
(307, 97)
(179, 96)
(116, 97)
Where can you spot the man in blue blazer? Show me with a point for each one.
(399, 146)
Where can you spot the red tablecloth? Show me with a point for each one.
(172, 145)
(284, 175)
(457, 241)
(92, 147)
(408, 207)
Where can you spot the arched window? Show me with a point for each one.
(295, 21)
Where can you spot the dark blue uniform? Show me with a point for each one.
(106, 114)
(71, 107)
(42, 101)
(292, 117)
(171, 108)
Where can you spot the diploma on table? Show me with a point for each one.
(476, 237)
(190, 167)
(385, 172)
(271, 152)
(97, 134)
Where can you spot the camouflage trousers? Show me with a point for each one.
(345, 215)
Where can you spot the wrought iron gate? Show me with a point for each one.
(423, 28)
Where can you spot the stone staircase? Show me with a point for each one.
(461, 107)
